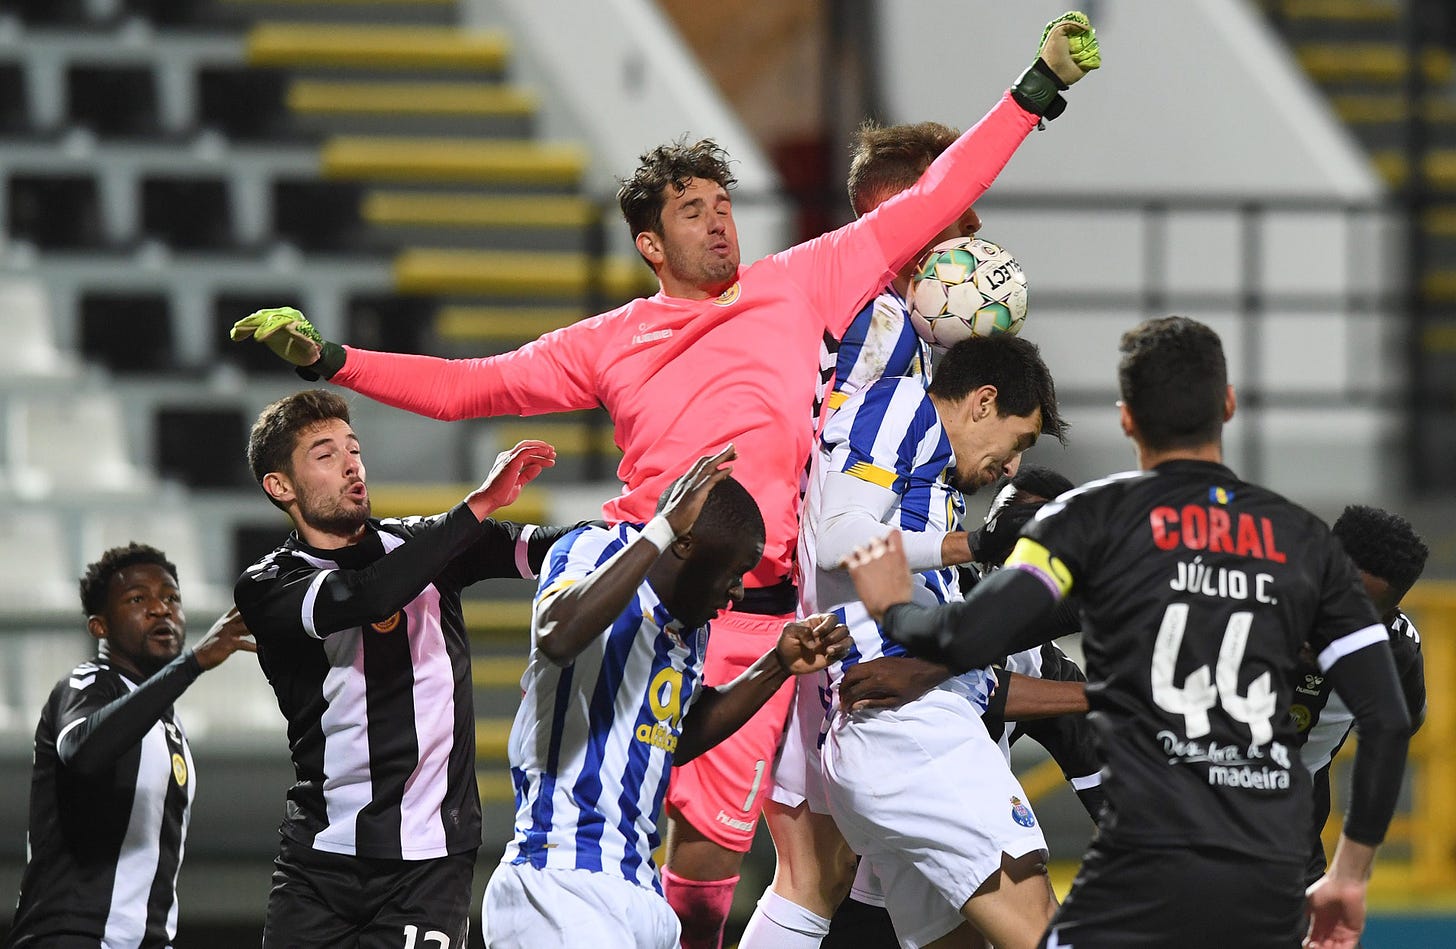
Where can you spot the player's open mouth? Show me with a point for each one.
(357, 491)
(164, 634)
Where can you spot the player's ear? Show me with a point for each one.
(649, 245)
(983, 403)
(278, 487)
(1124, 417)
(96, 626)
(682, 547)
(1230, 403)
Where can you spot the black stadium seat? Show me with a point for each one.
(128, 333)
(244, 104)
(55, 211)
(190, 214)
(14, 116)
(113, 100)
(201, 447)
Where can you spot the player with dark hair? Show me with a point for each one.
(360, 633)
(723, 353)
(814, 865)
(1390, 556)
(1039, 694)
(1197, 591)
(112, 787)
(615, 697)
(898, 454)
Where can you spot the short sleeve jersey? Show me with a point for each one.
(1198, 590)
(592, 744)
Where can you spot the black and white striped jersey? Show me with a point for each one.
(110, 797)
(1324, 722)
(366, 649)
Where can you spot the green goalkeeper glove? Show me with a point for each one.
(1068, 51)
(292, 337)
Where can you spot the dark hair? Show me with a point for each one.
(729, 509)
(274, 434)
(1014, 366)
(1173, 379)
(97, 578)
(1041, 481)
(643, 196)
(1382, 544)
(886, 160)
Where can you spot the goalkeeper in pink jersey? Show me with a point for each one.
(722, 353)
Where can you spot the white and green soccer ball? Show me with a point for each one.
(967, 287)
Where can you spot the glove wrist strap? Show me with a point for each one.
(1038, 91)
(331, 360)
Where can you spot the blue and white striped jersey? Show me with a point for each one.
(592, 744)
(887, 435)
(881, 343)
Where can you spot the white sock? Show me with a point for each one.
(778, 923)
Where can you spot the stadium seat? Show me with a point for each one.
(170, 530)
(390, 322)
(30, 348)
(127, 332)
(317, 215)
(113, 100)
(14, 116)
(36, 575)
(55, 211)
(49, 12)
(190, 214)
(201, 446)
(75, 445)
(244, 104)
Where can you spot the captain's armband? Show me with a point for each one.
(1033, 558)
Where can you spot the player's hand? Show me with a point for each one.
(1069, 46)
(685, 496)
(512, 471)
(888, 682)
(991, 543)
(812, 643)
(881, 574)
(227, 636)
(1336, 910)
(284, 330)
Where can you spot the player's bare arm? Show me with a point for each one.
(567, 621)
(805, 646)
(1029, 698)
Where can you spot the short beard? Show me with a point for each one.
(335, 521)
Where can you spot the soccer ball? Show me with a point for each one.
(967, 287)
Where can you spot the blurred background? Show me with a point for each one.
(438, 176)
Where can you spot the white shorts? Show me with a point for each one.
(923, 794)
(797, 775)
(527, 908)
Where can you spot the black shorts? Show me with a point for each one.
(334, 901)
(1194, 898)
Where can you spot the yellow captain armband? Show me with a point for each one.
(1035, 559)
(836, 399)
(874, 474)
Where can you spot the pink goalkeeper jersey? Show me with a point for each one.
(682, 378)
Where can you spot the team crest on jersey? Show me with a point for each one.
(179, 769)
(1220, 495)
(1021, 813)
(730, 296)
(1301, 717)
(387, 625)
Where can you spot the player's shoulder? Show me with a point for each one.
(592, 543)
(94, 673)
(286, 557)
(1403, 633)
(1097, 493)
